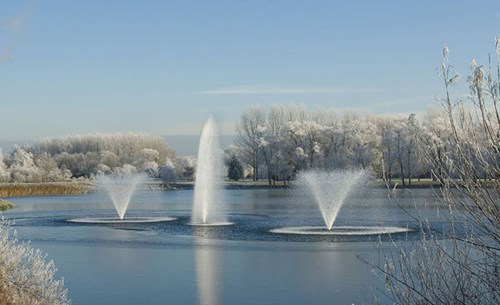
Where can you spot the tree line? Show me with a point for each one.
(276, 143)
(83, 157)
(273, 144)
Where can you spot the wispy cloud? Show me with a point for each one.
(286, 89)
(11, 28)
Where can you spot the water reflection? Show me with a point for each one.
(208, 268)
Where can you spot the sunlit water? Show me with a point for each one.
(174, 263)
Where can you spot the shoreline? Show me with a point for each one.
(85, 187)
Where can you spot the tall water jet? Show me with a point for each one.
(330, 190)
(120, 189)
(207, 204)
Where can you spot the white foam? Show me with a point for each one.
(98, 220)
(341, 230)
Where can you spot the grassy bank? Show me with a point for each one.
(48, 188)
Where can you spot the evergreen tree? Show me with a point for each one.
(234, 169)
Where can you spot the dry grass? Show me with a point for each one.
(48, 188)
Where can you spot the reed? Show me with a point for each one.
(47, 188)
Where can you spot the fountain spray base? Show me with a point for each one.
(341, 230)
(115, 220)
(213, 224)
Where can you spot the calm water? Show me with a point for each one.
(172, 263)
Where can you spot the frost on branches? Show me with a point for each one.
(25, 275)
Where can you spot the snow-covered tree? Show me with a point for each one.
(148, 161)
(385, 127)
(25, 275)
(4, 171)
(168, 172)
(306, 136)
(49, 170)
(125, 170)
(87, 155)
(462, 151)
(361, 140)
(249, 133)
(23, 168)
(234, 169)
(436, 138)
(109, 160)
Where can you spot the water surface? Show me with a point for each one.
(172, 263)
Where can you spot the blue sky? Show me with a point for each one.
(160, 67)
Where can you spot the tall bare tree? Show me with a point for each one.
(249, 132)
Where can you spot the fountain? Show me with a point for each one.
(329, 190)
(207, 203)
(120, 189)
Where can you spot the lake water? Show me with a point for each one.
(173, 263)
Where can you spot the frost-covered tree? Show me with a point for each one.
(109, 161)
(23, 168)
(400, 151)
(269, 140)
(248, 137)
(460, 265)
(331, 138)
(385, 127)
(125, 170)
(435, 137)
(234, 168)
(25, 275)
(412, 130)
(168, 172)
(4, 171)
(49, 170)
(187, 168)
(306, 137)
(85, 156)
(292, 139)
(280, 154)
(400, 144)
(148, 161)
(361, 140)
